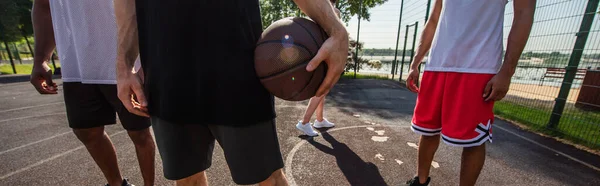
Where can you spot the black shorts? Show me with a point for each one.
(252, 152)
(94, 105)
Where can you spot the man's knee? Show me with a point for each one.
(89, 136)
(141, 137)
(196, 179)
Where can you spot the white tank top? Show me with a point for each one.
(86, 39)
(468, 38)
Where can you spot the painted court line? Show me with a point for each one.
(549, 148)
(28, 107)
(48, 159)
(27, 117)
(35, 142)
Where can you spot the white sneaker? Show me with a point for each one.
(306, 129)
(324, 123)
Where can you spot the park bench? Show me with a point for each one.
(560, 73)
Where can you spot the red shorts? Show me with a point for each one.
(453, 104)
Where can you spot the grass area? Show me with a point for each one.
(576, 125)
(350, 75)
(21, 69)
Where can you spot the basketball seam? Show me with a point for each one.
(309, 33)
(279, 73)
(312, 75)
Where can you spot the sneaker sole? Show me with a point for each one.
(323, 127)
(305, 132)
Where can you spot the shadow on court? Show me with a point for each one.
(355, 169)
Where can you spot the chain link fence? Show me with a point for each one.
(556, 86)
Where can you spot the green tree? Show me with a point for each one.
(273, 10)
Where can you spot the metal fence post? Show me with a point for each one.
(403, 53)
(357, 40)
(571, 69)
(412, 53)
(427, 11)
(397, 40)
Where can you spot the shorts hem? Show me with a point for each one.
(255, 181)
(466, 143)
(425, 131)
(89, 126)
(180, 177)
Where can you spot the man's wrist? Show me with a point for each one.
(506, 72)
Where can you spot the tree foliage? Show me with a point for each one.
(273, 10)
(15, 19)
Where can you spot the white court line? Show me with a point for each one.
(48, 159)
(35, 142)
(549, 148)
(28, 107)
(27, 117)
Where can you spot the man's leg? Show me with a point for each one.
(103, 152)
(310, 110)
(320, 110)
(472, 162)
(276, 179)
(185, 149)
(145, 150)
(427, 147)
(138, 129)
(264, 165)
(198, 179)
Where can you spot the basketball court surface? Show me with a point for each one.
(371, 145)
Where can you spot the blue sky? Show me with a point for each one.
(557, 21)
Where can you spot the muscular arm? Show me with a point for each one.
(498, 86)
(519, 33)
(129, 85)
(427, 35)
(41, 75)
(43, 31)
(334, 50)
(127, 42)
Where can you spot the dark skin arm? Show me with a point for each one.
(334, 50)
(498, 86)
(424, 46)
(41, 74)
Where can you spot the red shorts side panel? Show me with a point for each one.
(466, 118)
(427, 118)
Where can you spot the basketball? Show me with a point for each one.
(282, 54)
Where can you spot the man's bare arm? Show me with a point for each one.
(424, 46)
(129, 85)
(127, 42)
(519, 33)
(43, 31)
(41, 75)
(427, 35)
(498, 86)
(334, 50)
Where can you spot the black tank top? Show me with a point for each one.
(198, 56)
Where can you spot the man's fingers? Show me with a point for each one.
(48, 78)
(330, 79)
(486, 91)
(139, 95)
(129, 105)
(410, 84)
(315, 61)
(492, 95)
(500, 96)
(38, 84)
